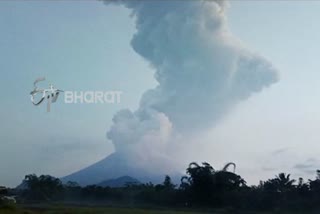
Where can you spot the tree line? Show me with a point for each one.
(202, 187)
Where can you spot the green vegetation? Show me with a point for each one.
(118, 210)
(90, 210)
(203, 188)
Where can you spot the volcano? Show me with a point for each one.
(112, 167)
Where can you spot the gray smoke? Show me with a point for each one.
(202, 72)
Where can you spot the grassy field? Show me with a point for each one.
(112, 210)
(90, 210)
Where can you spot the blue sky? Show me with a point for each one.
(85, 45)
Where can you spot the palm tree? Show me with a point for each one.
(315, 184)
(225, 168)
(284, 181)
(228, 180)
(281, 183)
(167, 183)
(207, 185)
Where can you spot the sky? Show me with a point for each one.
(85, 45)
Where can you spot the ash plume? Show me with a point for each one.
(202, 71)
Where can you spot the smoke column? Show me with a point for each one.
(202, 72)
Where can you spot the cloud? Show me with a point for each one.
(310, 166)
(202, 71)
(280, 151)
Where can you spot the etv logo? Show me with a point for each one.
(51, 94)
(72, 97)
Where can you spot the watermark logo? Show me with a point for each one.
(73, 97)
(51, 94)
(92, 97)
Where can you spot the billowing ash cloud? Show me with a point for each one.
(201, 68)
